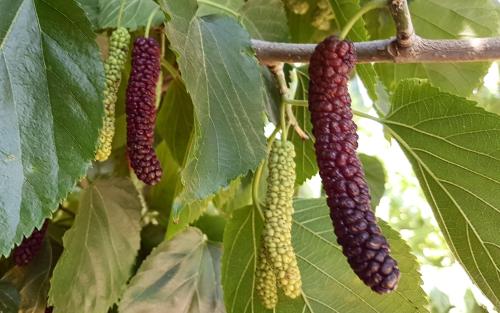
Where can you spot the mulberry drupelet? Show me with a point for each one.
(355, 225)
(30, 247)
(141, 110)
(266, 280)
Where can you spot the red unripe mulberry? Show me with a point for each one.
(355, 225)
(141, 110)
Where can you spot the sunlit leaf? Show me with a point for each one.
(329, 285)
(454, 149)
(445, 19)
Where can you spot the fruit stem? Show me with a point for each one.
(292, 90)
(296, 103)
(368, 116)
(374, 4)
(170, 69)
(120, 13)
(220, 6)
(150, 21)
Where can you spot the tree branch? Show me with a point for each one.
(404, 27)
(388, 51)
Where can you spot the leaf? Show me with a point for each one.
(188, 214)
(175, 120)
(224, 82)
(301, 25)
(471, 303)
(440, 302)
(181, 275)
(9, 298)
(378, 23)
(265, 19)
(161, 196)
(375, 176)
(99, 249)
(212, 225)
(448, 19)
(32, 281)
(329, 285)
(454, 149)
(104, 13)
(51, 82)
(207, 9)
(305, 155)
(272, 95)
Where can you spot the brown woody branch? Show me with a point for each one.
(389, 51)
(404, 26)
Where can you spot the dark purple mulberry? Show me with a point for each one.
(30, 247)
(141, 110)
(355, 225)
(49, 309)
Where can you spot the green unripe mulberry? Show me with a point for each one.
(278, 218)
(113, 67)
(266, 280)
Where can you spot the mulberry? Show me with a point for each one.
(278, 217)
(141, 110)
(299, 7)
(30, 247)
(355, 225)
(113, 67)
(266, 280)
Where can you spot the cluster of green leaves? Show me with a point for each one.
(115, 246)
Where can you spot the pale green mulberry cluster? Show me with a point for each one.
(113, 67)
(266, 281)
(322, 16)
(278, 218)
(299, 7)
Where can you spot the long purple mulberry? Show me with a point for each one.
(355, 225)
(30, 247)
(141, 110)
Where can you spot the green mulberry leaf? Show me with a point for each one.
(226, 88)
(329, 285)
(454, 148)
(51, 82)
(99, 249)
(180, 275)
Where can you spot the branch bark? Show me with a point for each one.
(404, 26)
(389, 51)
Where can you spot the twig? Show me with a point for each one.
(404, 27)
(294, 82)
(388, 51)
(277, 69)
